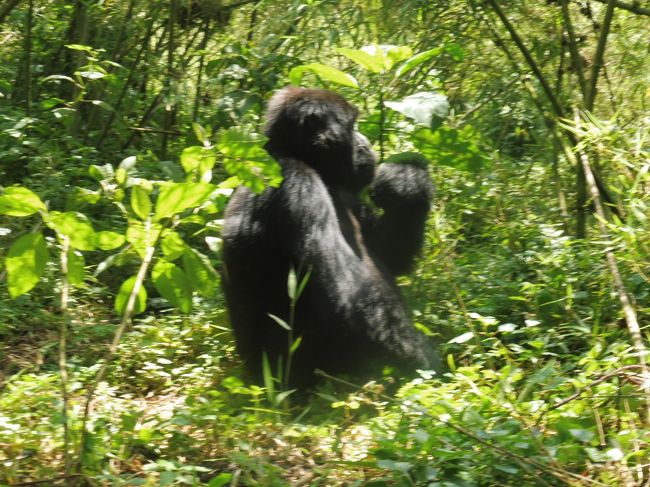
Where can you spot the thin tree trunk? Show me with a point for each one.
(199, 76)
(169, 80)
(598, 57)
(628, 309)
(7, 7)
(29, 23)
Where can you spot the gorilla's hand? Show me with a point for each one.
(402, 184)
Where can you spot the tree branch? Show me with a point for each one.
(630, 7)
(598, 57)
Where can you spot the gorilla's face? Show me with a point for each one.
(317, 127)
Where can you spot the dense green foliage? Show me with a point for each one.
(124, 127)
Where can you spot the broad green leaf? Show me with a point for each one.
(107, 240)
(370, 62)
(172, 245)
(140, 202)
(416, 60)
(426, 108)
(172, 284)
(122, 297)
(202, 134)
(199, 270)
(322, 71)
(176, 197)
(121, 175)
(25, 262)
(76, 268)
(197, 158)
(76, 227)
(452, 147)
(220, 480)
(142, 235)
(396, 54)
(246, 159)
(20, 201)
(101, 173)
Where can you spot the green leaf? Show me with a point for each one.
(199, 270)
(20, 201)
(173, 285)
(295, 345)
(202, 134)
(370, 62)
(172, 245)
(25, 263)
(142, 235)
(107, 240)
(416, 60)
(101, 173)
(176, 197)
(322, 71)
(121, 176)
(426, 108)
(140, 202)
(267, 376)
(197, 158)
(123, 296)
(460, 149)
(76, 227)
(220, 480)
(76, 268)
(246, 159)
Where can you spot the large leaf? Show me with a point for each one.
(200, 272)
(123, 297)
(142, 235)
(426, 108)
(25, 262)
(20, 201)
(173, 285)
(325, 72)
(172, 245)
(246, 159)
(450, 147)
(197, 158)
(107, 240)
(370, 62)
(416, 60)
(140, 202)
(76, 227)
(377, 58)
(177, 197)
(76, 268)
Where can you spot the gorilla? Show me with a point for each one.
(350, 317)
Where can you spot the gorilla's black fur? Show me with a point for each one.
(350, 316)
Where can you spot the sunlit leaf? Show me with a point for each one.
(76, 227)
(25, 263)
(122, 297)
(76, 268)
(107, 240)
(327, 73)
(177, 197)
(140, 202)
(199, 270)
(20, 201)
(173, 285)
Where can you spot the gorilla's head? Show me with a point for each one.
(317, 127)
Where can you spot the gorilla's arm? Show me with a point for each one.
(403, 191)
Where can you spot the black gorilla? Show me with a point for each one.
(350, 316)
